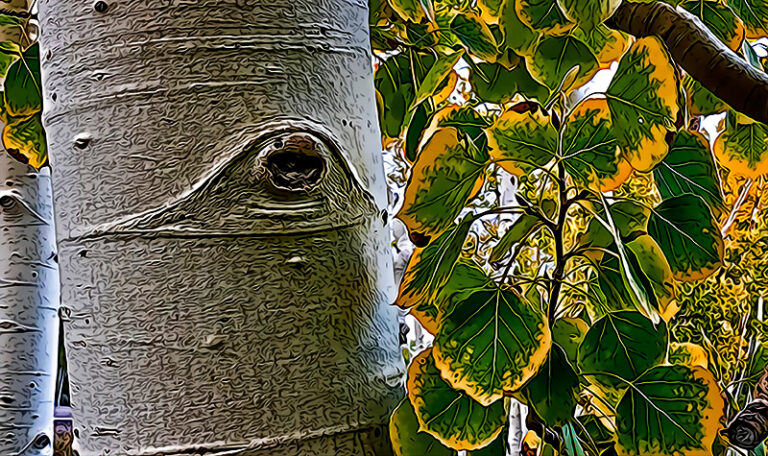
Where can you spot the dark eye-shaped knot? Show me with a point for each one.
(294, 162)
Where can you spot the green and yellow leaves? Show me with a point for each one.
(495, 84)
(720, 19)
(518, 36)
(590, 151)
(436, 76)
(447, 174)
(412, 10)
(492, 342)
(689, 168)
(643, 101)
(23, 134)
(554, 58)
(743, 148)
(451, 416)
(429, 267)
(521, 229)
(475, 35)
(407, 438)
(754, 13)
(522, 139)
(688, 235)
(669, 411)
(544, 16)
(621, 346)
(588, 13)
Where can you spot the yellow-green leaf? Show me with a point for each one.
(688, 235)
(492, 342)
(643, 100)
(522, 139)
(688, 354)
(588, 13)
(591, 154)
(720, 19)
(454, 418)
(743, 148)
(496, 84)
(608, 45)
(436, 76)
(554, 58)
(406, 437)
(669, 411)
(411, 10)
(446, 175)
(544, 16)
(23, 95)
(475, 35)
(490, 10)
(25, 140)
(518, 36)
(754, 13)
(518, 232)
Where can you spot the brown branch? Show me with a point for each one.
(699, 53)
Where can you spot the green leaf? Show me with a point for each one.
(518, 37)
(394, 84)
(445, 176)
(25, 140)
(522, 139)
(454, 418)
(720, 19)
(690, 168)
(743, 148)
(568, 334)
(496, 448)
(466, 278)
(623, 344)
(654, 274)
(437, 74)
(522, 228)
(588, 13)
(543, 15)
(7, 20)
(9, 53)
(688, 235)
(596, 430)
(642, 98)
(495, 84)
(491, 343)
(701, 102)
(591, 155)
(628, 216)
(475, 35)
(754, 13)
(554, 58)
(670, 411)
(490, 10)
(553, 391)
(406, 438)
(414, 131)
(411, 10)
(430, 267)
(608, 45)
(22, 88)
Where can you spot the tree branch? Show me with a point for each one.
(699, 53)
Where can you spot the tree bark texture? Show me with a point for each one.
(226, 277)
(699, 53)
(29, 294)
(29, 299)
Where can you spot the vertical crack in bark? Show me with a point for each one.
(699, 53)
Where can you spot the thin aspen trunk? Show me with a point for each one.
(219, 191)
(29, 295)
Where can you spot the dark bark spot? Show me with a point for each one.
(419, 240)
(101, 6)
(294, 164)
(41, 441)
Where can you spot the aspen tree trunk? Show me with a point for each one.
(219, 190)
(29, 294)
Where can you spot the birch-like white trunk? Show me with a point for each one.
(29, 295)
(226, 278)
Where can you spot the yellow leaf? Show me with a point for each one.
(25, 140)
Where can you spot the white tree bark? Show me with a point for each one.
(28, 310)
(29, 295)
(219, 193)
